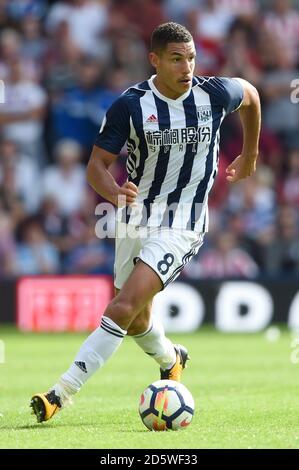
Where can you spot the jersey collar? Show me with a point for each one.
(149, 85)
(164, 98)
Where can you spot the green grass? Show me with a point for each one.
(245, 389)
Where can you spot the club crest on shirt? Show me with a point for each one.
(204, 112)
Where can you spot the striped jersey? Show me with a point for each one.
(173, 148)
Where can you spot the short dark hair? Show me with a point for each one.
(169, 32)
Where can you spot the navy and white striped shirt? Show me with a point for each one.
(173, 147)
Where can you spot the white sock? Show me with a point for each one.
(94, 352)
(154, 343)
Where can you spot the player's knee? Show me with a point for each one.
(121, 312)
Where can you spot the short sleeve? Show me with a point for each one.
(115, 128)
(227, 92)
(233, 94)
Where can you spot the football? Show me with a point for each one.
(165, 405)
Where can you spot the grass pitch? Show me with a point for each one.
(245, 389)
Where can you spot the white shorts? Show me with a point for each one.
(165, 250)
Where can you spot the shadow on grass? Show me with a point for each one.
(42, 426)
(27, 427)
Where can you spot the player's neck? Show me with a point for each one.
(164, 90)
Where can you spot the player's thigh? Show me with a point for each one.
(167, 251)
(127, 249)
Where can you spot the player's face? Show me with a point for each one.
(175, 67)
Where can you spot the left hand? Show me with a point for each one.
(241, 167)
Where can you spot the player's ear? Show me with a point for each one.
(154, 59)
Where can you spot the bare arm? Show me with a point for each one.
(250, 115)
(102, 181)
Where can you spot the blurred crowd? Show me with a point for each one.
(63, 64)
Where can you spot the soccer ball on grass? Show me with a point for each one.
(166, 404)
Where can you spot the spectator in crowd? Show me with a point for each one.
(17, 9)
(129, 55)
(11, 51)
(241, 61)
(289, 190)
(55, 226)
(34, 45)
(4, 15)
(65, 181)
(282, 251)
(256, 200)
(34, 253)
(280, 114)
(211, 21)
(92, 256)
(225, 259)
(22, 114)
(24, 174)
(10, 199)
(235, 223)
(61, 61)
(76, 112)
(180, 11)
(245, 10)
(141, 16)
(87, 20)
(7, 245)
(282, 20)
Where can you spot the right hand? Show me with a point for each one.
(241, 167)
(127, 194)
